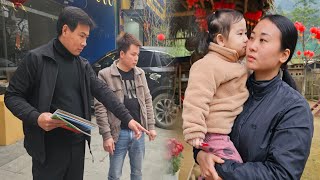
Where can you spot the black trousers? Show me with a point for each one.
(64, 159)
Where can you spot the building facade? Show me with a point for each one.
(145, 19)
(34, 23)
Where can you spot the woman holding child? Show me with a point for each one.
(273, 132)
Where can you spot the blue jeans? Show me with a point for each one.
(136, 148)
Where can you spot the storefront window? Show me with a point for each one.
(22, 29)
(34, 24)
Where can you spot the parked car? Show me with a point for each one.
(7, 68)
(160, 73)
(6, 63)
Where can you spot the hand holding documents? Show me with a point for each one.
(74, 123)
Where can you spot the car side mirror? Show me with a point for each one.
(155, 77)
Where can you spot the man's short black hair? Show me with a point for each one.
(125, 40)
(72, 16)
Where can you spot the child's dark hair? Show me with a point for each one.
(125, 40)
(72, 16)
(289, 37)
(219, 22)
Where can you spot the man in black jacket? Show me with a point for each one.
(52, 77)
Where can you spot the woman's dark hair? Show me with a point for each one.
(219, 22)
(72, 16)
(289, 37)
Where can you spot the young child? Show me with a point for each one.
(216, 89)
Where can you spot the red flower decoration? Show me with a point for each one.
(299, 26)
(174, 155)
(318, 34)
(191, 3)
(253, 15)
(222, 5)
(18, 3)
(311, 54)
(161, 37)
(308, 53)
(313, 30)
(200, 13)
(174, 148)
(298, 52)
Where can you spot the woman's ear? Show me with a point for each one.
(220, 40)
(284, 55)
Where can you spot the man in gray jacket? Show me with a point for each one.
(129, 84)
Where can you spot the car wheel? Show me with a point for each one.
(165, 111)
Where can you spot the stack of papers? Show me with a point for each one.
(74, 123)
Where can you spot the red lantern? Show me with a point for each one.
(161, 37)
(298, 52)
(18, 3)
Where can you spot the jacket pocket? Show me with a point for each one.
(117, 90)
(114, 123)
(115, 86)
(34, 142)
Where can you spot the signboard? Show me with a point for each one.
(103, 38)
(158, 7)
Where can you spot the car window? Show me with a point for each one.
(156, 62)
(165, 59)
(108, 60)
(6, 63)
(145, 58)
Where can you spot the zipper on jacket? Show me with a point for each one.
(252, 106)
(141, 119)
(144, 124)
(55, 81)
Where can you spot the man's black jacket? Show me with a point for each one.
(31, 89)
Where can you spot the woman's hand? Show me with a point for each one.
(206, 162)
